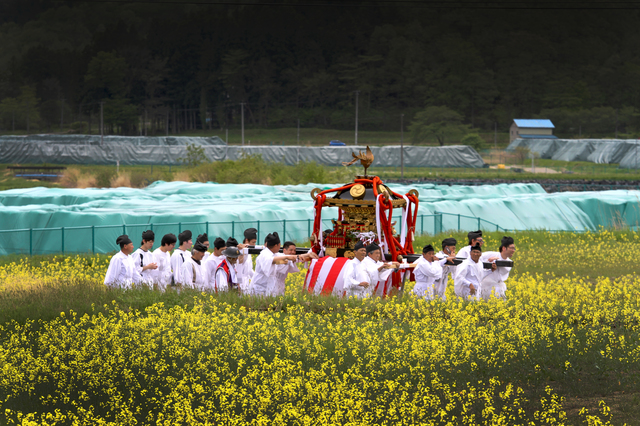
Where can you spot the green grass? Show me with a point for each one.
(537, 252)
(578, 171)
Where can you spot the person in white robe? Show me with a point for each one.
(211, 263)
(226, 278)
(475, 237)
(282, 271)
(374, 270)
(245, 262)
(495, 281)
(122, 272)
(448, 249)
(355, 280)
(470, 275)
(162, 256)
(144, 260)
(428, 272)
(180, 255)
(264, 277)
(193, 274)
(204, 240)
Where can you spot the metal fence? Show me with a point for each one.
(101, 238)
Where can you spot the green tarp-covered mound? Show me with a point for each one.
(229, 209)
(84, 149)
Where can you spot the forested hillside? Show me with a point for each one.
(196, 62)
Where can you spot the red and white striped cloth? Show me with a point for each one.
(326, 276)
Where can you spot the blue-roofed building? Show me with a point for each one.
(531, 129)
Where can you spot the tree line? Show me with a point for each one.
(194, 66)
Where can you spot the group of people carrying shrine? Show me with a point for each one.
(191, 265)
(229, 266)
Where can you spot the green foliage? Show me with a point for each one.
(23, 109)
(253, 169)
(195, 156)
(398, 60)
(594, 122)
(439, 123)
(120, 113)
(104, 176)
(105, 76)
(473, 140)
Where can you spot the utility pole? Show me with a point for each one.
(298, 143)
(242, 120)
(61, 113)
(402, 146)
(357, 92)
(101, 123)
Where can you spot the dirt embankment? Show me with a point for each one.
(550, 185)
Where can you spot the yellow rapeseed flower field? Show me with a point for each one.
(549, 355)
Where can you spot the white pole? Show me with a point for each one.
(61, 113)
(101, 123)
(401, 146)
(357, 93)
(242, 121)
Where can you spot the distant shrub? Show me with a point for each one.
(104, 177)
(194, 157)
(474, 141)
(74, 178)
(181, 177)
(121, 180)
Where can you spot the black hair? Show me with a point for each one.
(506, 242)
(287, 244)
(168, 239)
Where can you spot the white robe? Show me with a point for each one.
(427, 273)
(264, 276)
(163, 274)
(188, 268)
(143, 258)
(464, 252)
(495, 281)
(222, 280)
(177, 259)
(245, 271)
(370, 269)
(122, 272)
(470, 272)
(441, 285)
(353, 276)
(211, 264)
(279, 284)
